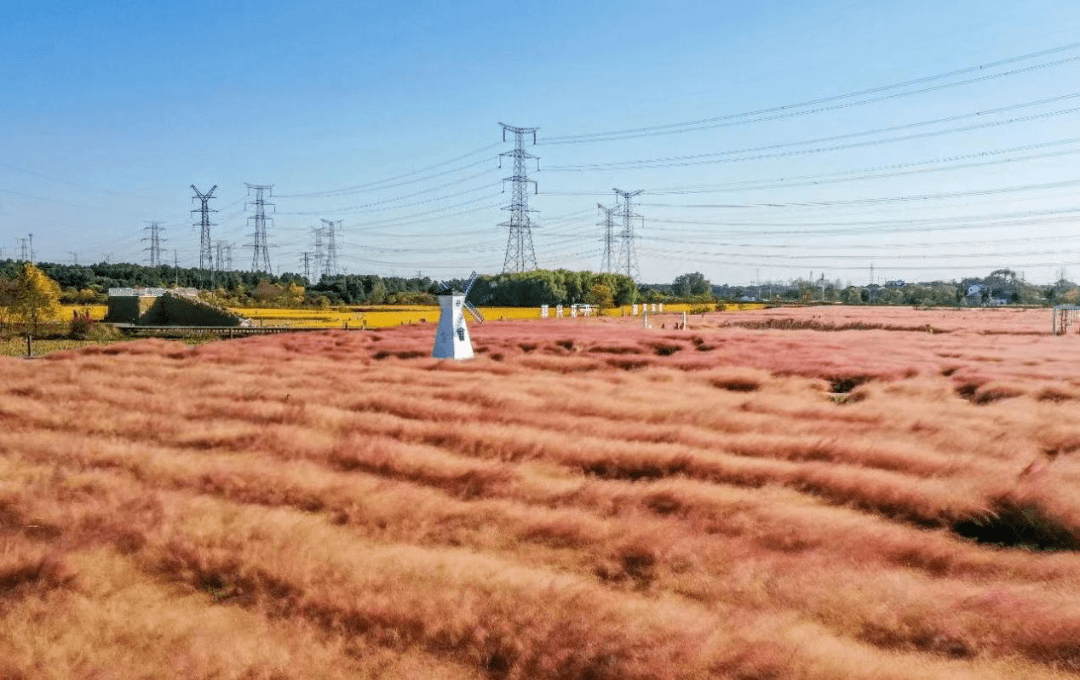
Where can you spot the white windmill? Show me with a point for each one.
(452, 336)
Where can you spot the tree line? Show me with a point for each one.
(88, 284)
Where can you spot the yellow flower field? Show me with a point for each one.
(97, 312)
(396, 315)
(383, 317)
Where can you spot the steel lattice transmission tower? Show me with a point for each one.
(628, 256)
(520, 256)
(155, 240)
(223, 259)
(320, 252)
(305, 260)
(260, 255)
(607, 263)
(206, 254)
(330, 261)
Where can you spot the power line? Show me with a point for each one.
(697, 257)
(878, 172)
(368, 207)
(732, 156)
(785, 111)
(392, 182)
(984, 220)
(520, 255)
(878, 200)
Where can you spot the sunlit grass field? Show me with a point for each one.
(16, 347)
(813, 494)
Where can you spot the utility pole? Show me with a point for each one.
(105, 257)
(520, 256)
(74, 257)
(25, 253)
(628, 255)
(607, 263)
(260, 256)
(176, 269)
(206, 258)
(32, 258)
(155, 240)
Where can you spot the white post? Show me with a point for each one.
(645, 319)
(543, 311)
(684, 320)
(634, 310)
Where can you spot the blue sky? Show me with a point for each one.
(386, 116)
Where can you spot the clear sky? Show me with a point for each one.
(386, 116)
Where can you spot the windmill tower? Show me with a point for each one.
(452, 336)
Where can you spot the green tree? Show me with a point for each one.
(691, 285)
(37, 298)
(378, 294)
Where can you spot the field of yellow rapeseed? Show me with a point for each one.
(398, 315)
(97, 312)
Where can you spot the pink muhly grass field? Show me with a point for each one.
(821, 492)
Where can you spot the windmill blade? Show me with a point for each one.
(475, 312)
(472, 280)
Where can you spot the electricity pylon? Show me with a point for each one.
(520, 255)
(206, 255)
(607, 262)
(155, 240)
(260, 255)
(628, 256)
